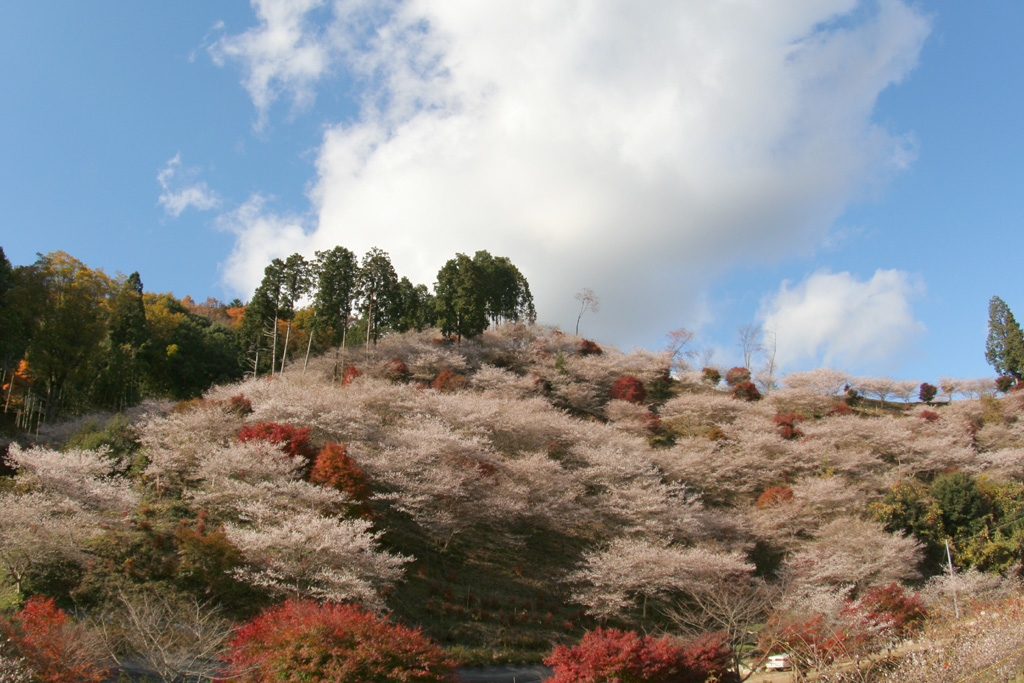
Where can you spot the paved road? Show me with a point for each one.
(505, 674)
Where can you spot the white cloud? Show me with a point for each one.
(181, 192)
(261, 237)
(285, 53)
(633, 148)
(836, 320)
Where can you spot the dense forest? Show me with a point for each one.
(441, 481)
(73, 339)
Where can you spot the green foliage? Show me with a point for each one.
(460, 299)
(64, 352)
(336, 273)
(118, 434)
(378, 285)
(1004, 349)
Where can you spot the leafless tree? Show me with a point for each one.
(172, 641)
(738, 609)
(749, 341)
(588, 302)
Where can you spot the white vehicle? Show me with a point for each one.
(778, 663)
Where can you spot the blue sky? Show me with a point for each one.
(845, 173)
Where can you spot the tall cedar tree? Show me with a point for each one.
(121, 381)
(461, 304)
(259, 323)
(378, 284)
(1004, 349)
(296, 280)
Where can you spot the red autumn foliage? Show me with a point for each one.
(804, 639)
(746, 391)
(589, 348)
(301, 641)
(50, 645)
(448, 381)
(350, 374)
(893, 606)
(840, 408)
(396, 370)
(927, 392)
(295, 441)
(929, 415)
(711, 376)
(240, 404)
(774, 495)
(737, 376)
(610, 655)
(629, 388)
(333, 467)
(786, 422)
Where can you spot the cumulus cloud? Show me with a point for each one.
(181, 191)
(633, 148)
(286, 53)
(837, 320)
(261, 236)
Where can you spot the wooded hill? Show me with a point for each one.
(518, 489)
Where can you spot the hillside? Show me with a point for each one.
(495, 494)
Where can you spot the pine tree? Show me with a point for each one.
(1004, 349)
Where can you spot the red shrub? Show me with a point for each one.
(294, 441)
(350, 374)
(589, 348)
(927, 392)
(737, 376)
(396, 370)
(333, 467)
(809, 639)
(52, 646)
(786, 422)
(628, 388)
(840, 408)
(774, 495)
(448, 381)
(892, 606)
(301, 641)
(711, 376)
(240, 405)
(613, 656)
(928, 415)
(746, 391)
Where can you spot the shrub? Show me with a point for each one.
(746, 391)
(448, 381)
(333, 467)
(840, 408)
(1005, 383)
(350, 374)
(928, 415)
(711, 376)
(302, 641)
(628, 388)
(613, 656)
(295, 441)
(589, 348)
(786, 422)
(736, 376)
(50, 645)
(774, 495)
(927, 392)
(240, 405)
(396, 370)
(892, 607)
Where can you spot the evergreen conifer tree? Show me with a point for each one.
(1004, 349)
